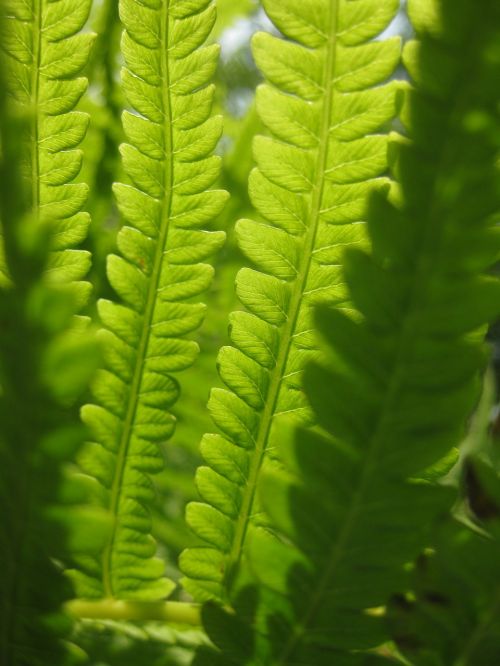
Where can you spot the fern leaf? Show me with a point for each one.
(404, 372)
(405, 377)
(118, 643)
(456, 588)
(157, 275)
(44, 366)
(314, 174)
(43, 53)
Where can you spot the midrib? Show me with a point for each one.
(266, 420)
(142, 349)
(34, 95)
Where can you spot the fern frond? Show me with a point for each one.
(43, 52)
(450, 611)
(453, 613)
(404, 373)
(313, 178)
(44, 367)
(125, 644)
(158, 276)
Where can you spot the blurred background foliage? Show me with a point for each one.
(109, 643)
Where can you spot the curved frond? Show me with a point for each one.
(43, 53)
(158, 276)
(403, 376)
(324, 109)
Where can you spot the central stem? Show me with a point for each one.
(34, 94)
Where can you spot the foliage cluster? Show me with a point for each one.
(344, 507)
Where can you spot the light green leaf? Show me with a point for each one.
(326, 153)
(43, 53)
(158, 277)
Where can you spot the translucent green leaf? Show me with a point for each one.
(158, 277)
(326, 105)
(42, 55)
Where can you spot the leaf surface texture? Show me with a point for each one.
(158, 277)
(325, 108)
(43, 54)
(349, 509)
(45, 364)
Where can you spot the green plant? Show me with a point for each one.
(47, 361)
(311, 184)
(334, 520)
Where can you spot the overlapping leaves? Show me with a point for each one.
(346, 509)
(324, 109)
(45, 365)
(452, 614)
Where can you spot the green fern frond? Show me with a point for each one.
(127, 644)
(158, 276)
(43, 52)
(45, 365)
(404, 372)
(452, 616)
(311, 185)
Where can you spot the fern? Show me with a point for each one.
(450, 613)
(403, 374)
(325, 533)
(126, 644)
(157, 277)
(43, 54)
(452, 617)
(311, 184)
(44, 367)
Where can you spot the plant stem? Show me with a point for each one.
(176, 612)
